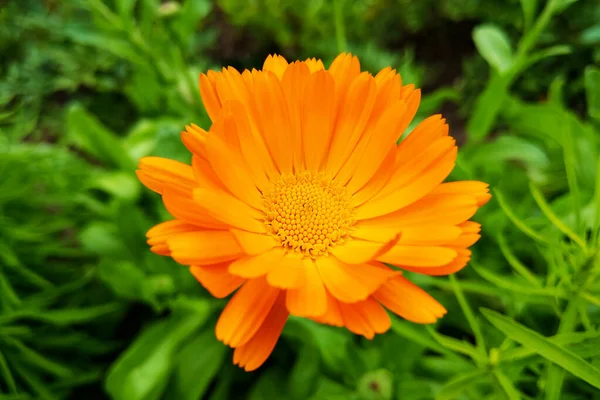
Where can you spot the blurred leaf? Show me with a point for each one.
(90, 135)
(330, 390)
(487, 106)
(546, 348)
(110, 43)
(376, 385)
(191, 14)
(143, 370)
(330, 341)
(493, 45)
(101, 238)
(459, 383)
(269, 386)
(507, 386)
(305, 372)
(123, 277)
(62, 317)
(529, 9)
(7, 375)
(592, 88)
(196, 365)
(125, 8)
(545, 207)
(120, 184)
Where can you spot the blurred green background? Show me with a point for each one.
(87, 87)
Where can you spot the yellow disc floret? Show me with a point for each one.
(308, 213)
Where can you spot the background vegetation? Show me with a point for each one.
(87, 87)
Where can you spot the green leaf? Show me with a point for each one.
(63, 317)
(514, 287)
(330, 341)
(592, 90)
(545, 347)
(493, 45)
(507, 386)
(7, 375)
(376, 385)
(545, 207)
(487, 107)
(143, 370)
(123, 277)
(459, 383)
(529, 9)
(305, 373)
(518, 222)
(121, 184)
(269, 386)
(87, 133)
(125, 9)
(196, 365)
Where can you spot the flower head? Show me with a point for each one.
(299, 200)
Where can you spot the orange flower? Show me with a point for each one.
(298, 197)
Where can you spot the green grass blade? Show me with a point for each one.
(507, 386)
(466, 309)
(459, 383)
(546, 348)
(545, 207)
(514, 262)
(518, 222)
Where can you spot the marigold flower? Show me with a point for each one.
(298, 197)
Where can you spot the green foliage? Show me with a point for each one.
(89, 87)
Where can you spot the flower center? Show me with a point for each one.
(308, 213)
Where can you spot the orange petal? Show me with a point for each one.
(429, 234)
(191, 211)
(217, 279)
(289, 273)
(314, 64)
(453, 266)
(412, 192)
(418, 256)
(362, 251)
(194, 138)
(246, 312)
(407, 171)
(275, 64)
(332, 315)
(231, 170)
(254, 243)
(478, 189)
(293, 84)
(350, 283)
(317, 118)
(402, 297)
(427, 132)
(310, 299)
(351, 121)
(469, 235)
(430, 210)
(389, 128)
(252, 146)
(204, 247)
(158, 235)
(209, 97)
(255, 352)
(259, 265)
(274, 120)
(205, 175)
(159, 174)
(365, 318)
(377, 182)
(229, 210)
(344, 69)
